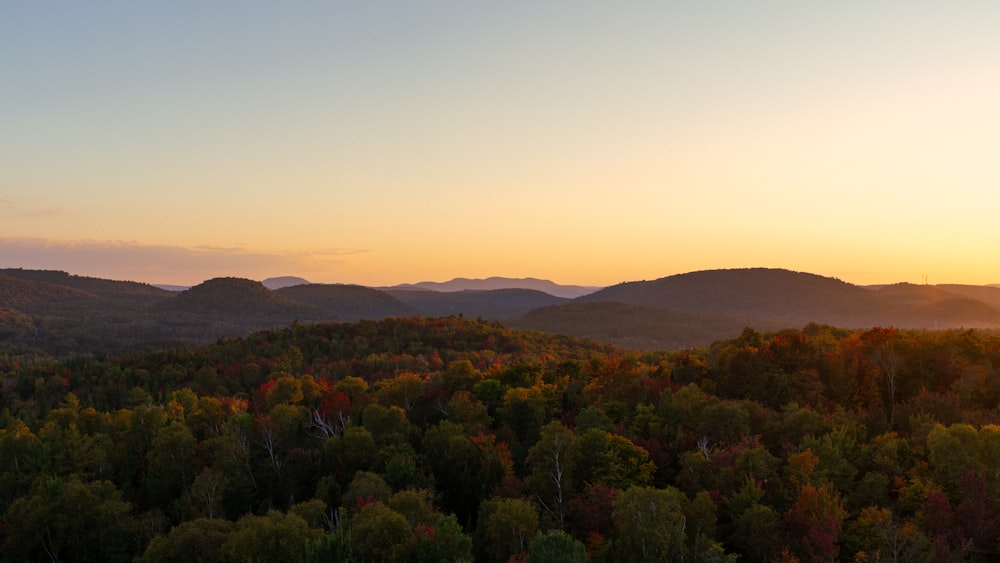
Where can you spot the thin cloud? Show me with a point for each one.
(161, 263)
(11, 209)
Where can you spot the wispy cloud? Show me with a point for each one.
(10, 208)
(165, 264)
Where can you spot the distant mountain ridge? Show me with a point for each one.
(764, 298)
(493, 283)
(63, 313)
(284, 281)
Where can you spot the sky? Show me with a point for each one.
(591, 143)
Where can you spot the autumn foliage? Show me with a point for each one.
(454, 439)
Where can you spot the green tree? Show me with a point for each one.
(364, 488)
(556, 546)
(614, 461)
(650, 525)
(379, 533)
(196, 540)
(443, 542)
(70, 520)
(505, 529)
(172, 464)
(275, 537)
(552, 462)
(758, 533)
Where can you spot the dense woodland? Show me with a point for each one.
(450, 439)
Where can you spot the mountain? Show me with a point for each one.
(51, 287)
(346, 302)
(699, 307)
(988, 294)
(497, 304)
(62, 313)
(754, 293)
(234, 297)
(66, 314)
(171, 287)
(488, 284)
(635, 326)
(284, 281)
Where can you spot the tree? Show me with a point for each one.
(379, 533)
(505, 529)
(352, 451)
(403, 390)
(365, 488)
(556, 546)
(207, 492)
(275, 537)
(195, 540)
(388, 425)
(69, 520)
(650, 525)
(877, 535)
(456, 463)
(882, 343)
(552, 461)
(443, 542)
(615, 461)
(814, 522)
(758, 533)
(172, 463)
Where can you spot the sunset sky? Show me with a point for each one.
(371, 142)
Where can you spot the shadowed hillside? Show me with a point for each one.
(635, 326)
(757, 293)
(699, 307)
(232, 296)
(494, 283)
(64, 314)
(346, 302)
(499, 304)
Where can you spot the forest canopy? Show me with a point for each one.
(449, 439)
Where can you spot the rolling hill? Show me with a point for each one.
(332, 302)
(497, 304)
(62, 314)
(699, 307)
(494, 283)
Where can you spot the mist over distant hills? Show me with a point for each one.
(64, 314)
(493, 283)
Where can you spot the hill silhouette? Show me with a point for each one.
(494, 283)
(635, 326)
(63, 314)
(332, 302)
(754, 293)
(49, 287)
(698, 307)
(235, 297)
(284, 281)
(497, 304)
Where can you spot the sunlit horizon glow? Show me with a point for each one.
(587, 143)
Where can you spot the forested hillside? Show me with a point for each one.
(64, 315)
(452, 439)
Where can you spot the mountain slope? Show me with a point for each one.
(346, 302)
(498, 304)
(50, 286)
(636, 326)
(235, 297)
(493, 283)
(755, 293)
(284, 281)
